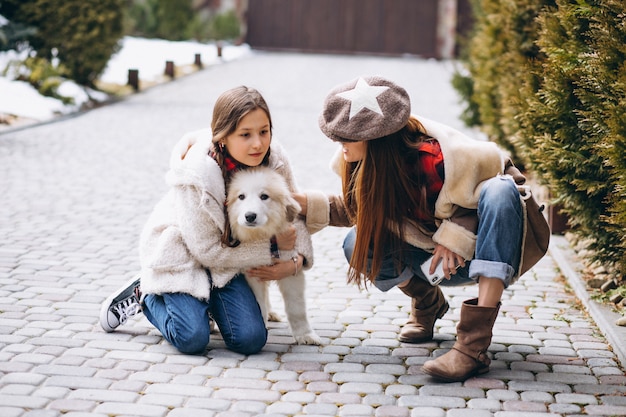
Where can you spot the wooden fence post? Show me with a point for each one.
(133, 79)
(169, 69)
(198, 61)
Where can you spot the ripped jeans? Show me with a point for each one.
(498, 242)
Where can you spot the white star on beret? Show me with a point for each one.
(363, 96)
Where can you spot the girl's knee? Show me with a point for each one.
(249, 342)
(191, 341)
(500, 186)
(348, 244)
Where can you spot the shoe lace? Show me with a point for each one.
(137, 293)
(126, 309)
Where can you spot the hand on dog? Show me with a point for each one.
(275, 272)
(287, 240)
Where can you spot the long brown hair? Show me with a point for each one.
(230, 107)
(384, 186)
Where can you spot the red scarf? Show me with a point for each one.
(230, 164)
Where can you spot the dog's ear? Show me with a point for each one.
(292, 208)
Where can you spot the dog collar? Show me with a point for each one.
(274, 248)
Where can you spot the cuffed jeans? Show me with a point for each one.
(183, 320)
(498, 242)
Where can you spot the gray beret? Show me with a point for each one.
(365, 108)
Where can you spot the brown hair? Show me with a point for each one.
(230, 107)
(384, 186)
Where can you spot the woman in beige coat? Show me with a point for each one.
(419, 192)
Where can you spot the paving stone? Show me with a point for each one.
(502, 395)
(240, 394)
(284, 408)
(339, 398)
(342, 377)
(17, 389)
(184, 390)
(431, 401)
(170, 401)
(523, 406)
(113, 408)
(356, 410)
(360, 388)
(606, 410)
(322, 386)
(391, 411)
(23, 401)
(400, 389)
(190, 412)
(323, 409)
(604, 371)
(613, 399)
(535, 396)
(567, 378)
(288, 386)
(427, 412)
(484, 404)
(468, 413)
(206, 403)
(564, 409)
(314, 376)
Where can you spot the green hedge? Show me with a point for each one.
(547, 80)
(179, 20)
(81, 34)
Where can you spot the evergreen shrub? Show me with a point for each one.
(224, 26)
(173, 18)
(178, 20)
(81, 34)
(548, 81)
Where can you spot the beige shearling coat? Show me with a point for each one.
(468, 164)
(181, 238)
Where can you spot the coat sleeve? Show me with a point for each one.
(325, 210)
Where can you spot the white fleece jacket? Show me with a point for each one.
(181, 238)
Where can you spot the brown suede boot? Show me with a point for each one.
(468, 356)
(427, 305)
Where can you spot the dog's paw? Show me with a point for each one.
(308, 339)
(273, 316)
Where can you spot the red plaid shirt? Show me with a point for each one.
(431, 171)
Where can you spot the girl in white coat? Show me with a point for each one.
(190, 267)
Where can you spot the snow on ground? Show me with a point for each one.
(148, 56)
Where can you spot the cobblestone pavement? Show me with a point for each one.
(74, 197)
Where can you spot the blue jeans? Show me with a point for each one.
(184, 320)
(498, 242)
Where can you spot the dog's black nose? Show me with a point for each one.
(250, 217)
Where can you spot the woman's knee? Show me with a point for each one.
(500, 193)
(499, 186)
(348, 244)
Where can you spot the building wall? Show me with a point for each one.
(426, 28)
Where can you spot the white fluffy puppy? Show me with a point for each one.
(259, 206)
